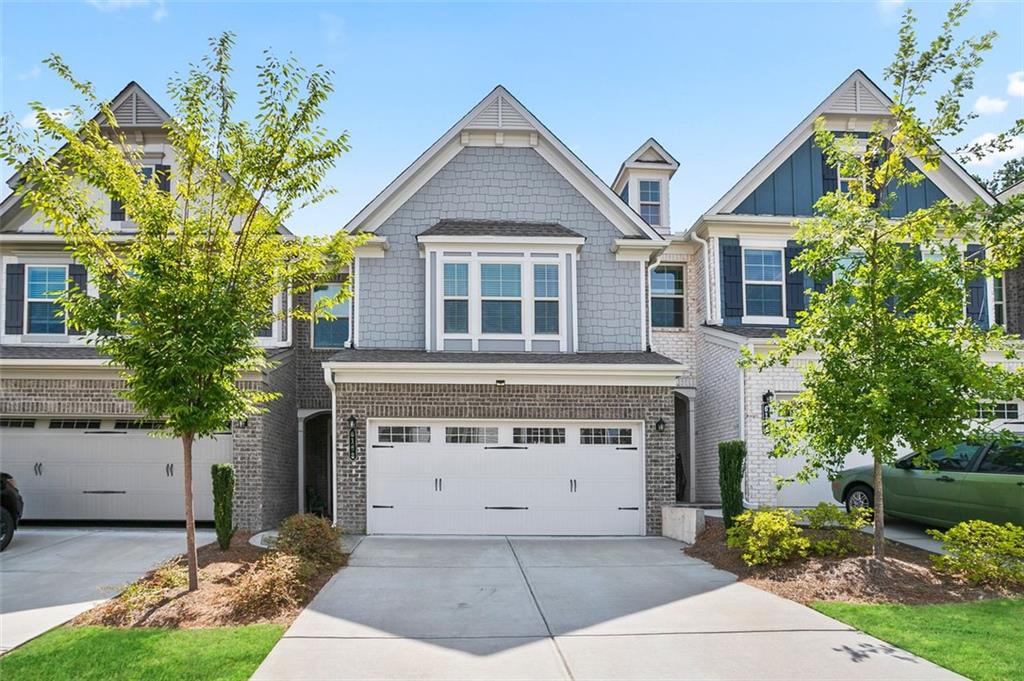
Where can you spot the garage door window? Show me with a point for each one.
(74, 424)
(403, 434)
(538, 436)
(138, 425)
(17, 423)
(606, 436)
(472, 435)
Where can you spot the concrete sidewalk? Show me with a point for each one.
(564, 608)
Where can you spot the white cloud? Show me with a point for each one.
(990, 105)
(996, 158)
(159, 6)
(1016, 85)
(333, 27)
(31, 74)
(30, 121)
(888, 8)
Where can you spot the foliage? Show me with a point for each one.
(146, 593)
(898, 364)
(223, 503)
(731, 457)
(836, 528)
(275, 582)
(103, 654)
(973, 639)
(181, 302)
(311, 538)
(1008, 175)
(982, 552)
(767, 536)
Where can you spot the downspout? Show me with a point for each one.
(646, 302)
(707, 274)
(743, 430)
(329, 379)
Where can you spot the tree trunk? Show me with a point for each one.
(879, 513)
(190, 518)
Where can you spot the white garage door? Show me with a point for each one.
(78, 468)
(797, 494)
(505, 477)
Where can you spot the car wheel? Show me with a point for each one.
(7, 528)
(859, 496)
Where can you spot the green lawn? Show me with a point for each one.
(106, 654)
(983, 640)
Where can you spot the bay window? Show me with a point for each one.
(43, 286)
(545, 299)
(456, 297)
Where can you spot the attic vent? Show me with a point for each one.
(857, 98)
(135, 110)
(124, 114)
(500, 114)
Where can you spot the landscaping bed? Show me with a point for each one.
(907, 577)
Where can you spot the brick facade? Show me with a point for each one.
(1013, 297)
(521, 402)
(717, 409)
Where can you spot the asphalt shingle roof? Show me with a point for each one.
(499, 228)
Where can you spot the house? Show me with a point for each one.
(528, 350)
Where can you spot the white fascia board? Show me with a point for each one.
(47, 362)
(722, 336)
(510, 241)
(636, 249)
(510, 374)
(374, 247)
(51, 238)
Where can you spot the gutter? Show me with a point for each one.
(329, 379)
(646, 300)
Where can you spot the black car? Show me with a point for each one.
(12, 506)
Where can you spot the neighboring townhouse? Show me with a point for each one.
(1011, 293)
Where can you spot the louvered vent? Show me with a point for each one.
(500, 115)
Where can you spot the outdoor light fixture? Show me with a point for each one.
(500, 381)
(660, 426)
(766, 409)
(352, 437)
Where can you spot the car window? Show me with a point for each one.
(1004, 459)
(956, 459)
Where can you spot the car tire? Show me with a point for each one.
(859, 496)
(7, 528)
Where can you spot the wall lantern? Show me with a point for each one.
(660, 425)
(766, 409)
(352, 437)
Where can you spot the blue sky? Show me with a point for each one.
(718, 84)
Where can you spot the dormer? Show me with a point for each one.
(642, 182)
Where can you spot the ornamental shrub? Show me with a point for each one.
(767, 536)
(731, 454)
(223, 503)
(982, 552)
(275, 582)
(311, 538)
(836, 529)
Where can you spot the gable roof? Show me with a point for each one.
(1011, 191)
(650, 154)
(499, 113)
(857, 96)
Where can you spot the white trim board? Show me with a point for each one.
(523, 373)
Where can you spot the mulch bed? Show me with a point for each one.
(210, 605)
(907, 576)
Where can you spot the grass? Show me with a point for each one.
(224, 653)
(981, 640)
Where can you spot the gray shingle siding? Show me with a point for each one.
(485, 183)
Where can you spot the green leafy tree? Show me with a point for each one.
(896, 363)
(1009, 174)
(182, 300)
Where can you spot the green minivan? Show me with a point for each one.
(965, 482)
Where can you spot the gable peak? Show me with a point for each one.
(500, 111)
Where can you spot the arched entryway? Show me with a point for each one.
(316, 465)
(684, 447)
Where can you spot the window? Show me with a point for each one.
(667, 304)
(403, 434)
(998, 302)
(17, 423)
(1008, 459)
(998, 410)
(470, 435)
(331, 333)
(456, 297)
(624, 194)
(953, 459)
(650, 201)
(500, 302)
(163, 178)
(545, 299)
(538, 436)
(762, 282)
(44, 285)
(74, 424)
(138, 425)
(606, 436)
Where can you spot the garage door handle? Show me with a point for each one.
(103, 491)
(633, 448)
(944, 478)
(505, 447)
(506, 508)
(629, 508)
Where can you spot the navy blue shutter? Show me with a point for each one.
(80, 280)
(163, 177)
(829, 176)
(14, 297)
(794, 282)
(116, 211)
(977, 291)
(732, 280)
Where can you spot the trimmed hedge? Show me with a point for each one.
(223, 502)
(731, 454)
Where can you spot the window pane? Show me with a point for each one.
(666, 312)
(471, 435)
(327, 291)
(538, 436)
(46, 282)
(762, 265)
(331, 333)
(957, 458)
(456, 279)
(667, 280)
(501, 316)
(650, 190)
(545, 316)
(606, 436)
(45, 318)
(499, 280)
(403, 434)
(456, 316)
(1008, 459)
(545, 281)
(651, 213)
(764, 300)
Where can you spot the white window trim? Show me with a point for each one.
(445, 297)
(312, 322)
(660, 203)
(763, 245)
(477, 301)
(24, 338)
(680, 296)
(27, 300)
(547, 299)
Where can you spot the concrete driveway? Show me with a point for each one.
(48, 576)
(554, 608)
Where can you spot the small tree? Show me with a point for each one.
(182, 301)
(223, 475)
(731, 456)
(897, 362)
